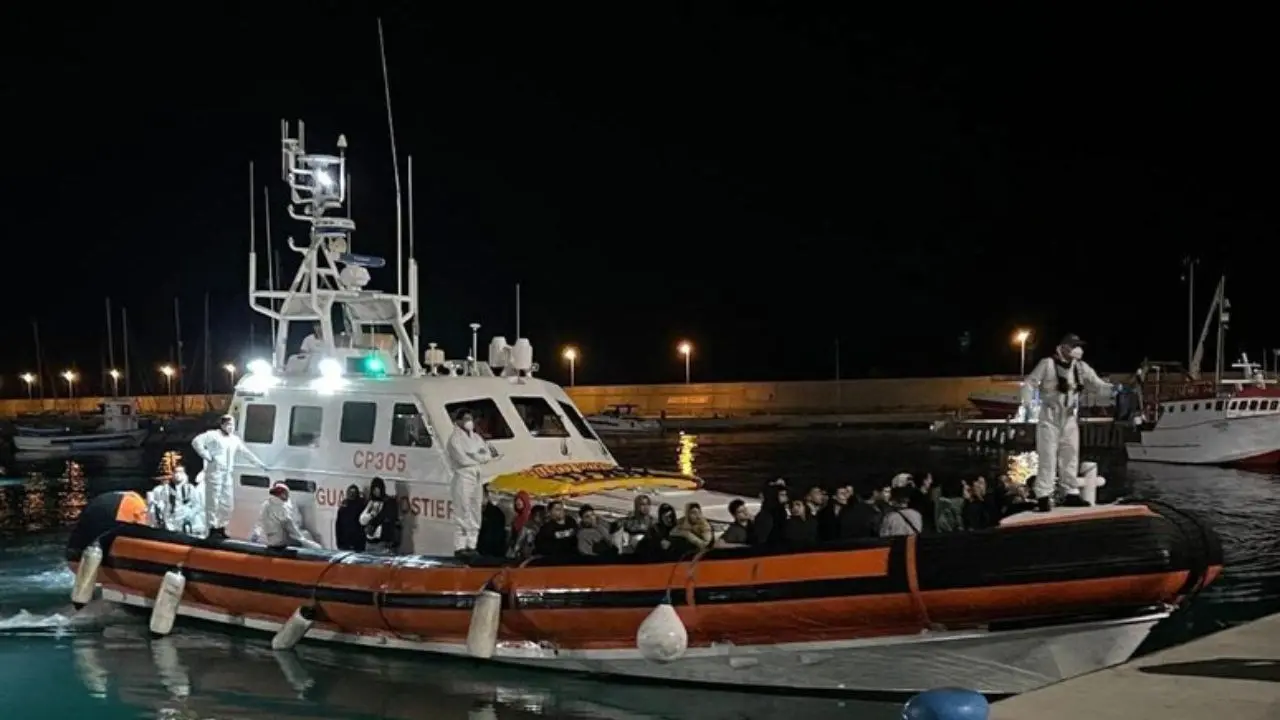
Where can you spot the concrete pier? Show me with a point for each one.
(1232, 674)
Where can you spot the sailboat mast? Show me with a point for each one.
(207, 354)
(111, 348)
(124, 331)
(35, 330)
(182, 376)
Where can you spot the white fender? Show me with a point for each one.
(482, 636)
(662, 637)
(86, 575)
(165, 609)
(294, 628)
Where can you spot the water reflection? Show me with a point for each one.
(684, 454)
(43, 499)
(199, 674)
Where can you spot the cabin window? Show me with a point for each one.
(1253, 405)
(540, 419)
(489, 421)
(408, 429)
(305, 422)
(301, 486)
(1235, 404)
(1218, 406)
(579, 423)
(1196, 407)
(358, 422)
(259, 424)
(258, 481)
(1275, 404)
(1182, 407)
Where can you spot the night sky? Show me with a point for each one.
(759, 182)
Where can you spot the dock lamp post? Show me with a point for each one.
(231, 374)
(167, 371)
(70, 377)
(1021, 338)
(686, 349)
(30, 380)
(115, 382)
(571, 354)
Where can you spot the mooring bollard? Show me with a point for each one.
(947, 704)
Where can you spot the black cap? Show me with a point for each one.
(1071, 340)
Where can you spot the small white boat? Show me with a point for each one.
(119, 431)
(623, 420)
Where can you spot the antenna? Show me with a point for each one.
(518, 336)
(395, 162)
(413, 271)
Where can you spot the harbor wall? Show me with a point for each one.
(863, 396)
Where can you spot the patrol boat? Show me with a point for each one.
(1002, 611)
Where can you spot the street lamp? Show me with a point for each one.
(686, 349)
(571, 354)
(115, 382)
(167, 371)
(231, 374)
(1021, 338)
(30, 380)
(70, 377)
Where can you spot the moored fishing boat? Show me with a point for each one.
(1003, 610)
(119, 431)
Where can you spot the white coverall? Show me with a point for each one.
(1057, 433)
(279, 528)
(218, 450)
(468, 451)
(161, 506)
(195, 508)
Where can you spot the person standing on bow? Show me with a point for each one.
(218, 449)
(468, 451)
(1060, 379)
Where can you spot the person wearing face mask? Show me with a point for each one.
(1060, 379)
(468, 451)
(219, 448)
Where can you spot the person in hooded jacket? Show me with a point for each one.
(772, 515)
(949, 507)
(693, 531)
(522, 546)
(380, 519)
(829, 515)
(347, 530)
(276, 519)
(657, 542)
(862, 517)
(801, 528)
(492, 540)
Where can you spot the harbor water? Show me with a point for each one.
(101, 663)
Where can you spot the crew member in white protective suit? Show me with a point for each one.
(280, 528)
(218, 449)
(312, 343)
(1059, 380)
(190, 517)
(468, 451)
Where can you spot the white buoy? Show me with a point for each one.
(86, 575)
(482, 636)
(165, 610)
(294, 628)
(662, 637)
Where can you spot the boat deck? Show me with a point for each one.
(1231, 674)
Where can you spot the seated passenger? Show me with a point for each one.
(693, 529)
(949, 507)
(347, 530)
(922, 502)
(380, 520)
(829, 515)
(522, 545)
(556, 538)
(188, 505)
(161, 505)
(492, 540)
(901, 519)
(773, 513)
(816, 499)
(801, 530)
(978, 511)
(640, 521)
(861, 519)
(279, 529)
(657, 543)
(593, 536)
(739, 533)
